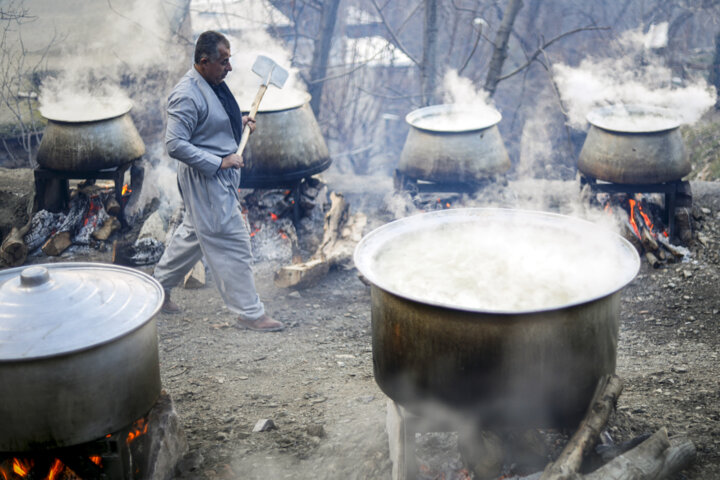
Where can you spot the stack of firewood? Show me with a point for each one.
(651, 242)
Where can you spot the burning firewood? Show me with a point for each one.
(341, 234)
(568, 463)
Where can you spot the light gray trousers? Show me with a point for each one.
(213, 228)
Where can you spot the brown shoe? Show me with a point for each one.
(169, 307)
(262, 324)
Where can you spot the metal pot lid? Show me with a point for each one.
(86, 109)
(53, 309)
(634, 118)
(453, 118)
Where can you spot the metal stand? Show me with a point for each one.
(670, 189)
(53, 191)
(402, 182)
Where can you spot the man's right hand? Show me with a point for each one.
(232, 161)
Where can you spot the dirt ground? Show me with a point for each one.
(315, 379)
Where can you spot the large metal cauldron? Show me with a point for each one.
(287, 145)
(88, 138)
(502, 367)
(634, 144)
(453, 143)
(78, 352)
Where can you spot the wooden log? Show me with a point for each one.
(652, 259)
(303, 274)
(13, 250)
(676, 251)
(648, 240)
(341, 234)
(57, 244)
(108, 227)
(112, 206)
(655, 458)
(195, 278)
(603, 402)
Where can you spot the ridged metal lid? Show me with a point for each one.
(53, 309)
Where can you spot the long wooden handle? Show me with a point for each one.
(253, 111)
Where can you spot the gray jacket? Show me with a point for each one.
(198, 131)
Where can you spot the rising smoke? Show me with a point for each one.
(636, 74)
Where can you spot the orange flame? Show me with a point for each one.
(125, 189)
(632, 217)
(140, 428)
(97, 460)
(92, 211)
(55, 470)
(21, 467)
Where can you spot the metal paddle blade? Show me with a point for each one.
(269, 71)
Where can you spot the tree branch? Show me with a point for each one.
(393, 35)
(543, 47)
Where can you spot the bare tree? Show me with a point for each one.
(21, 123)
(501, 45)
(428, 68)
(321, 52)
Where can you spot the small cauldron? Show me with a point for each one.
(634, 144)
(452, 143)
(91, 137)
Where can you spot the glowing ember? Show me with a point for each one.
(140, 427)
(273, 217)
(125, 189)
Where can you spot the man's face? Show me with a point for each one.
(216, 71)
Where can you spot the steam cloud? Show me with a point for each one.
(638, 75)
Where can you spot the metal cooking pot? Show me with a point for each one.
(286, 147)
(452, 143)
(534, 367)
(634, 144)
(78, 352)
(87, 141)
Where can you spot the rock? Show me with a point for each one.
(153, 228)
(263, 425)
(316, 431)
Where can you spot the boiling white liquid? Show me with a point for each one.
(458, 120)
(638, 123)
(85, 108)
(634, 119)
(508, 267)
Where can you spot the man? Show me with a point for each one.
(203, 132)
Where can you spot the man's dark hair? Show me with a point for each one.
(207, 45)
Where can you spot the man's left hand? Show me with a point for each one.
(250, 122)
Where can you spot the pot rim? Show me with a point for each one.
(367, 247)
(447, 109)
(302, 99)
(601, 117)
(52, 112)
